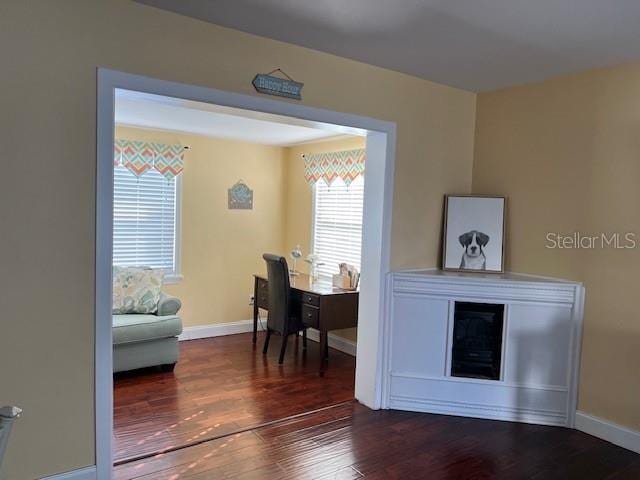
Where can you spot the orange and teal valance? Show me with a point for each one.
(139, 157)
(329, 166)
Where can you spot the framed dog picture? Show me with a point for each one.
(473, 233)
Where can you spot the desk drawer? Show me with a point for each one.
(263, 285)
(311, 299)
(262, 300)
(310, 316)
(262, 294)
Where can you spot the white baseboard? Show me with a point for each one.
(245, 326)
(476, 410)
(86, 473)
(216, 330)
(339, 343)
(609, 431)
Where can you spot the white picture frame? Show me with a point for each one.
(473, 234)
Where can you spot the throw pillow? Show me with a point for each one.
(136, 289)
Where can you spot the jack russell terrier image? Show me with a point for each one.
(473, 257)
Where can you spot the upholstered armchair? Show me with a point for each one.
(146, 324)
(147, 340)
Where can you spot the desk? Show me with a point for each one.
(321, 306)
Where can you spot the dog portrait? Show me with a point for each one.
(473, 233)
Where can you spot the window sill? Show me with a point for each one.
(172, 279)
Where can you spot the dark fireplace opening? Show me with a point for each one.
(477, 340)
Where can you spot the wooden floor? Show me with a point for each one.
(222, 385)
(350, 441)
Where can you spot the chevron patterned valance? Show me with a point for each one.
(139, 157)
(346, 164)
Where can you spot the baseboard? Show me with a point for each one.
(609, 431)
(245, 326)
(339, 343)
(477, 410)
(86, 473)
(216, 330)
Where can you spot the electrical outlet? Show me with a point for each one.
(251, 299)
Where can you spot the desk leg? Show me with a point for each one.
(255, 316)
(323, 350)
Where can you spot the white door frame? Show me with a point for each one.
(378, 198)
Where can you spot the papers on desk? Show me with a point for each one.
(348, 278)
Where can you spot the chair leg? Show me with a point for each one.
(168, 367)
(304, 338)
(266, 342)
(283, 348)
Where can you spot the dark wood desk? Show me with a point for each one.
(321, 306)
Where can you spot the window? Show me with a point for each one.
(337, 224)
(146, 221)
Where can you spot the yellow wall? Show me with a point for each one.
(299, 202)
(222, 248)
(566, 152)
(49, 54)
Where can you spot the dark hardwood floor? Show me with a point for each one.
(349, 441)
(223, 388)
(222, 385)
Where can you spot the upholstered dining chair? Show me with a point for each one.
(282, 318)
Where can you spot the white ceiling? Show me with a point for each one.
(472, 44)
(177, 115)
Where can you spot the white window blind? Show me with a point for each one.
(337, 224)
(144, 220)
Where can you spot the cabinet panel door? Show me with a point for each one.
(419, 335)
(538, 345)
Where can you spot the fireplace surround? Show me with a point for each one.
(476, 343)
(499, 346)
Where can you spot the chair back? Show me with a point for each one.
(279, 293)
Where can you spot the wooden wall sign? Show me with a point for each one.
(280, 87)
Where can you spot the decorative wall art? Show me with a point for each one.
(474, 233)
(280, 87)
(240, 197)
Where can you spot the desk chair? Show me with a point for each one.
(283, 318)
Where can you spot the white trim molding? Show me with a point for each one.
(479, 410)
(245, 326)
(611, 432)
(376, 235)
(216, 330)
(86, 473)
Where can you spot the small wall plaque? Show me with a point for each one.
(280, 87)
(240, 197)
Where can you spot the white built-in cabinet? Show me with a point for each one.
(541, 340)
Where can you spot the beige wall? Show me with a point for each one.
(566, 152)
(300, 199)
(222, 248)
(49, 53)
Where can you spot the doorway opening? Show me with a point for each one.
(376, 202)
